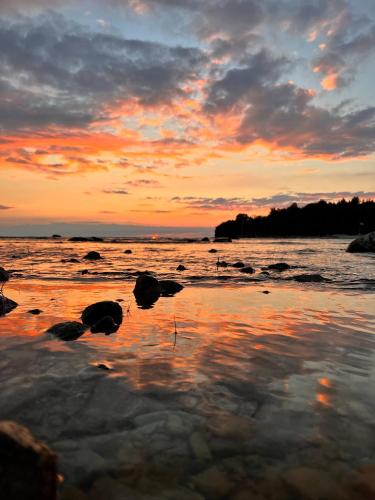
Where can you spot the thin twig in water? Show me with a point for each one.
(175, 334)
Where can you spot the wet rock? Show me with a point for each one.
(78, 239)
(206, 239)
(93, 256)
(213, 482)
(4, 275)
(105, 325)
(6, 305)
(69, 330)
(247, 270)
(128, 252)
(105, 316)
(264, 273)
(84, 271)
(147, 290)
(27, 466)
(309, 483)
(279, 266)
(102, 366)
(238, 265)
(266, 292)
(56, 236)
(169, 287)
(36, 312)
(213, 250)
(309, 278)
(199, 447)
(364, 243)
(364, 481)
(73, 261)
(181, 267)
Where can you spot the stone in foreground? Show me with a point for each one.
(147, 290)
(69, 330)
(98, 316)
(364, 243)
(170, 287)
(27, 466)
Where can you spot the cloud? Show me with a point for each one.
(5, 207)
(278, 200)
(143, 183)
(55, 72)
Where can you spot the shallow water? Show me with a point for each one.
(264, 396)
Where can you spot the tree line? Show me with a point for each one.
(315, 219)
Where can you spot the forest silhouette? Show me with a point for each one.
(315, 219)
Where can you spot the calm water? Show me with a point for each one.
(256, 396)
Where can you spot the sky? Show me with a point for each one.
(182, 112)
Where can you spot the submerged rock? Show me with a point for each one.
(238, 265)
(105, 316)
(68, 330)
(147, 290)
(6, 305)
(73, 261)
(364, 243)
(28, 468)
(93, 256)
(247, 270)
(279, 266)
(213, 250)
(181, 267)
(170, 287)
(222, 263)
(306, 278)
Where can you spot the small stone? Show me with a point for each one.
(35, 311)
(213, 250)
(93, 256)
(69, 330)
(200, 447)
(238, 265)
(247, 270)
(128, 252)
(279, 266)
(312, 484)
(6, 305)
(213, 482)
(181, 267)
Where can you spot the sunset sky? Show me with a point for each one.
(182, 112)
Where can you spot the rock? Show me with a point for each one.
(27, 467)
(213, 250)
(56, 236)
(35, 311)
(78, 239)
(6, 305)
(128, 251)
(364, 243)
(147, 290)
(105, 325)
(279, 266)
(266, 292)
(307, 278)
(247, 270)
(84, 271)
(238, 265)
(206, 239)
(213, 482)
(222, 263)
(364, 481)
(105, 316)
(309, 483)
(170, 287)
(73, 261)
(231, 426)
(69, 330)
(4, 275)
(200, 447)
(102, 366)
(223, 239)
(93, 256)
(181, 267)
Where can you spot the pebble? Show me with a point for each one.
(213, 482)
(200, 447)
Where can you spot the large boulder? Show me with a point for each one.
(93, 256)
(364, 243)
(147, 290)
(6, 305)
(69, 330)
(169, 287)
(99, 315)
(28, 469)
